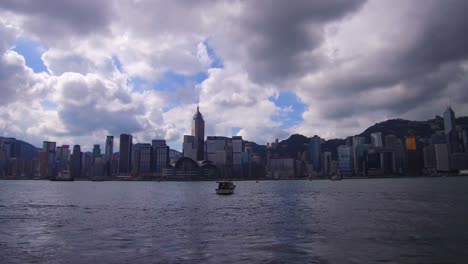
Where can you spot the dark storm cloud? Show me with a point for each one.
(281, 36)
(55, 17)
(428, 63)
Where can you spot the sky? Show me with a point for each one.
(75, 71)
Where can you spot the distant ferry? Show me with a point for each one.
(225, 187)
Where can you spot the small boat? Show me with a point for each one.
(225, 187)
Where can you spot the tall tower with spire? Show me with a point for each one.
(198, 132)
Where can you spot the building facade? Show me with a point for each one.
(198, 132)
(125, 155)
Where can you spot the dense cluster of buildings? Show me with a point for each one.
(381, 154)
(213, 157)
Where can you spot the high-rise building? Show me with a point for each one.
(357, 159)
(451, 131)
(376, 139)
(96, 150)
(344, 160)
(141, 158)
(327, 159)
(109, 152)
(49, 148)
(76, 162)
(412, 155)
(395, 144)
(125, 156)
(198, 132)
(314, 153)
(160, 158)
(188, 147)
(237, 149)
(465, 139)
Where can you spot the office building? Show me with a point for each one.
(451, 131)
(49, 148)
(315, 153)
(76, 162)
(109, 152)
(344, 160)
(125, 155)
(188, 147)
(356, 157)
(327, 159)
(160, 155)
(198, 132)
(96, 150)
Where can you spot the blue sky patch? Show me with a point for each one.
(117, 63)
(171, 80)
(216, 60)
(293, 108)
(32, 51)
(48, 105)
(235, 130)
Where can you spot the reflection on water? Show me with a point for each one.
(350, 221)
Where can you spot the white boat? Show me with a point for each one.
(225, 187)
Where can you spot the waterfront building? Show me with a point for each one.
(188, 147)
(174, 156)
(315, 153)
(357, 159)
(395, 144)
(237, 149)
(442, 157)
(465, 140)
(412, 154)
(429, 158)
(219, 150)
(141, 159)
(327, 159)
(198, 132)
(49, 148)
(344, 160)
(125, 155)
(376, 139)
(96, 150)
(109, 152)
(282, 168)
(76, 162)
(160, 155)
(450, 131)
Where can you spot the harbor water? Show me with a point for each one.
(406, 220)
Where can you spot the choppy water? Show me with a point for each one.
(351, 221)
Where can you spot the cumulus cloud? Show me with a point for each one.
(351, 63)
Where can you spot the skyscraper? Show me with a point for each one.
(109, 152)
(76, 162)
(450, 131)
(96, 150)
(198, 132)
(49, 148)
(109, 147)
(160, 158)
(357, 159)
(314, 153)
(125, 157)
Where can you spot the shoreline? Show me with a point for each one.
(259, 179)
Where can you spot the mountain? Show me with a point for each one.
(20, 149)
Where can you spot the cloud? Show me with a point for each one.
(350, 64)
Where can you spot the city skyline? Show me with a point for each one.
(78, 71)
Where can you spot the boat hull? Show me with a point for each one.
(224, 191)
